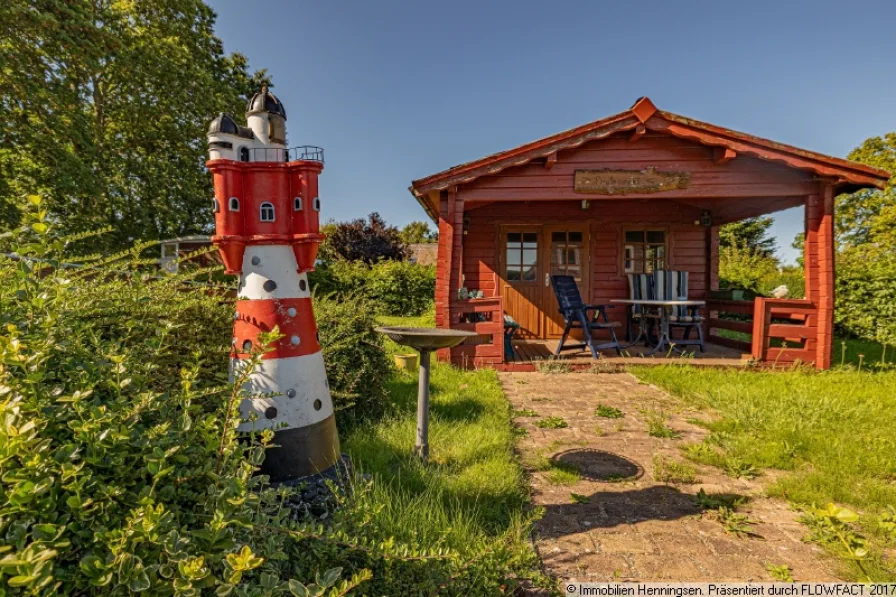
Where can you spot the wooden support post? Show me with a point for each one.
(825, 303)
(444, 265)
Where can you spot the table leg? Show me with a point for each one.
(422, 445)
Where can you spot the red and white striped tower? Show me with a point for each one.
(267, 231)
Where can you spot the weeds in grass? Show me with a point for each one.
(656, 426)
(551, 423)
(578, 498)
(735, 523)
(598, 431)
(552, 366)
(886, 523)
(738, 469)
(703, 453)
(781, 573)
(666, 470)
(525, 412)
(619, 426)
(832, 526)
(607, 412)
(714, 501)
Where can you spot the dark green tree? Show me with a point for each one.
(362, 240)
(751, 234)
(104, 107)
(418, 232)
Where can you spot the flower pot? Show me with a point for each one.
(406, 362)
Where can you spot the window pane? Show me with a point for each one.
(557, 255)
(530, 237)
(530, 256)
(530, 274)
(513, 257)
(573, 256)
(575, 237)
(514, 237)
(513, 273)
(558, 237)
(634, 236)
(656, 236)
(660, 250)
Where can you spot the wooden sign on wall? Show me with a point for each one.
(623, 182)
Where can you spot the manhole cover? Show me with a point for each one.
(598, 465)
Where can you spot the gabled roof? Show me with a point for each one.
(846, 174)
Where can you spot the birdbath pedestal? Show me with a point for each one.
(424, 341)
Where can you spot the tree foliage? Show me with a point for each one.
(418, 232)
(104, 106)
(751, 234)
(869, 216)
(363, 240)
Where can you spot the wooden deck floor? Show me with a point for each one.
(528, 352)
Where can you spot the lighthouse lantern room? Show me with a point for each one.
(267, 230)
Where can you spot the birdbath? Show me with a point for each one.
(424, 340)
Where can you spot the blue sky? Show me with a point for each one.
(398, 90)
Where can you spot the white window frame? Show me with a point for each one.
(217, 205)
(231, 202)
(261, 209)
(317, 204)
(297, 204)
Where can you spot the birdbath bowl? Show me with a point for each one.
(424, 340)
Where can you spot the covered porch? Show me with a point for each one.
(643, 190)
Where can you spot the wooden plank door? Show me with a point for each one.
(565, 251)
(520, 274)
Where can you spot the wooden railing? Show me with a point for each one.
(772, 331)
(720, 313)
(484, 316)
(785, 331)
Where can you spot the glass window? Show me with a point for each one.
(567, 250)
(234, 204)
(645, 251)
(267, 212)
(521, 263)
(297, 204)
(217, 205)
(244, 154)
(316, 204)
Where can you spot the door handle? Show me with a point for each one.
(547, 279)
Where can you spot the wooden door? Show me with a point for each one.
(520, 277)
(565, 252)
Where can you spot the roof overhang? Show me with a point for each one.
(846, 175)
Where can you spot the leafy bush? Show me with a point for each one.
(121, 471)
(120, 468)
(389, 287)
(754, 271)
(866, 296)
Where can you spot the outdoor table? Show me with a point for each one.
(663, 308)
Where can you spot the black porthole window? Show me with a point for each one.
(256, 260)
(317, 404)
(270, 286)
(303, 285)
(270, 412)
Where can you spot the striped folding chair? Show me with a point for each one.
(640, 287)
(673, 285)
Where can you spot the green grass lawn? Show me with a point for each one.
(834, 433)
(471, 496)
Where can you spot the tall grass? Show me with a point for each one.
(471, 495)
(833, 432)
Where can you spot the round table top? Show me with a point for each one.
(653, 302)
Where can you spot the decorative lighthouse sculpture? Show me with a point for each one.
(267, 231)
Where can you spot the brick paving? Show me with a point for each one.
(630, 526)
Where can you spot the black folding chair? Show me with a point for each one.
(575, 314)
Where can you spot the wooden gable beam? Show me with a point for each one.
(637, 133)
(723, 155)
(550, 160)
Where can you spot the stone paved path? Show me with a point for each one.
(626, 525)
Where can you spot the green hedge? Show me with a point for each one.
(390, 287)
(866, 296)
